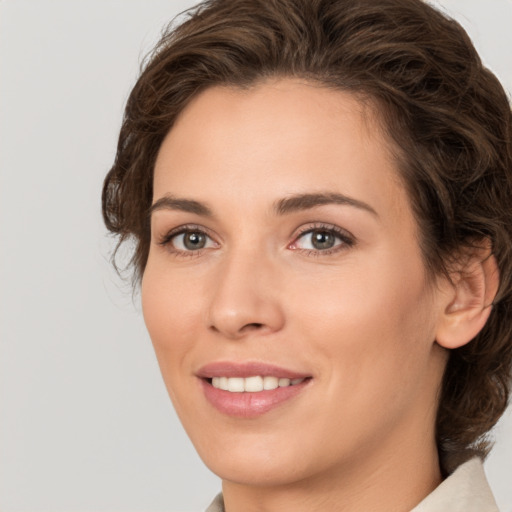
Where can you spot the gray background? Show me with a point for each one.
(85, 422)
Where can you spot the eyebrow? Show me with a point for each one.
(306, 201)
(298, 202)
(168, 202)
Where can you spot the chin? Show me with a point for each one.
(256, 470)
(257, 457)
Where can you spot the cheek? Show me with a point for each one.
(374, 318)
(370, 334)
(169, 323)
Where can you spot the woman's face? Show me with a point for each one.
(284, 247)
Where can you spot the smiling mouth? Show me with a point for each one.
(250, 397)
(253, 384)
(250, 389)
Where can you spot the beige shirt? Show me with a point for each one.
(465, 490)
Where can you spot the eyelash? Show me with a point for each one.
(347, 240)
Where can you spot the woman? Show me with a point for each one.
(319, 195)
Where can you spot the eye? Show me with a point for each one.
(187, 239)
(319, 239)
(322, 239)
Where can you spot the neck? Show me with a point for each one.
(382, 480)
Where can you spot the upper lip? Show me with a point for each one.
(247, 369)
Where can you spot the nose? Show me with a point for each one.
(245, 297)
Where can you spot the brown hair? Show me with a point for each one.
(448, 116)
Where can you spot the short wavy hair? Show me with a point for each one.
(447, 116)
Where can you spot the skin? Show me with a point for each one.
(361, 319)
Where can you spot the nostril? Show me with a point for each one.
(253, 326)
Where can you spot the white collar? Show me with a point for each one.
(465, 490)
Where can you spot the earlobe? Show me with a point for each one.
(469, 304)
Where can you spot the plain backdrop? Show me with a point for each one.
(85, 421)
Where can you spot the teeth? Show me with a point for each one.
(252, 384)
(270, 382)
(236, 385)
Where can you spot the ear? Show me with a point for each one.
(468, 305)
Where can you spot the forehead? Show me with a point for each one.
(278, 137)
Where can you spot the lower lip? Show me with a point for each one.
(247, 404)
